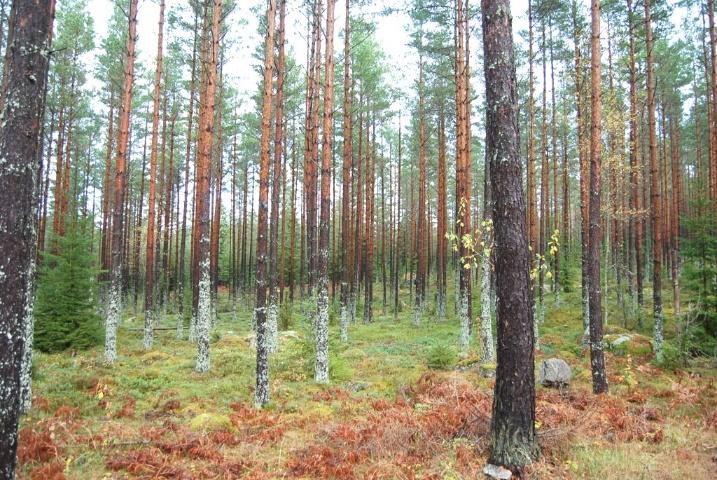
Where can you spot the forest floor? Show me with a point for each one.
(385, 415)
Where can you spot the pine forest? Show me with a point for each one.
(355, 239)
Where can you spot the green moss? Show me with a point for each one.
(209, 422)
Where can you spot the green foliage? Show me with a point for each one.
(286, 316)
(567, 273)
(441, 356)
(700, 273)
(65, 311)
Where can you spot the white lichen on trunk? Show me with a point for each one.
(148, 329)
(193, 327)
(352, 305)
(465, 336)
(344, 323)
(488, 351)
(114, 304)
(29, 334)
(272, 326)
(418, 311)
(321, 371)
(204, 311)
(180, 325)
(659, 335)
(441, 307)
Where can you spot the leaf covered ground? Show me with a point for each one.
(386, 414)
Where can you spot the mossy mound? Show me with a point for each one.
(628, 344)
(210, 422)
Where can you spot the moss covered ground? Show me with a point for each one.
(386, 413)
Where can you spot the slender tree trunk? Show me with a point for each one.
(346, 181)
(262, 365)
(442, 217)
(597, 359)
(655, 197)
(321, 371)
(635, 167)
(421, 246)
(204, 161)
(463, 183)
(183, 240)
(150, 251)
(272, 313)
(115, 296)
(138, 227)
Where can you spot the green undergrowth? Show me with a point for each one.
(144, 392)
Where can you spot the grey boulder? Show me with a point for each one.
(555, 372)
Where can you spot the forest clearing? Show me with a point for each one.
(347, 239)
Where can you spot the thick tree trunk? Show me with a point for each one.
(23, 92)
(513, 439)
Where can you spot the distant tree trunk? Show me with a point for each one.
(216, 221)
(272, 313)
(321, 371)
(463, 183)
(346, 182)
(151, 215)
(23, 94)
(292, 248)
(168, 206)
(513, 439)
(584, 170)
(262, 365)
(635, 203)
(544, 190)
(204, 161)
(597, 359)
(138, 227)
(397, 253)
(187, 155)
(115, 296)
(677, 211)
(655, 200)
(713, 88)
(421, 246)
(358, 233)
(106, 194)
(369, 232)
(532, 197)
(442, 217)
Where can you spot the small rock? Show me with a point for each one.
(487, 370)
(357, 387)
(495, 471)
(555, 372)
(289, 334)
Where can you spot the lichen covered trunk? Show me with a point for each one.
(486, 327)
(513, 438)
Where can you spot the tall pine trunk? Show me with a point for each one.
(513, 439)
(115, 295)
